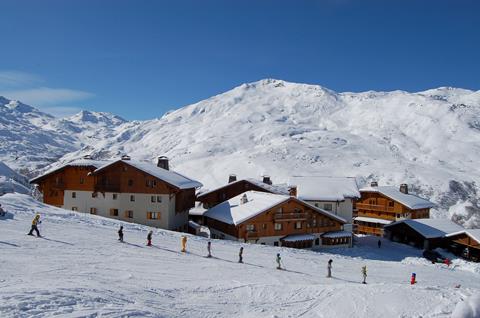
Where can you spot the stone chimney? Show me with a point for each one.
(163, 162)
(374, 184)
(243, 199)
(404, 188)
(292, 191)
(125, 157)
(232, 178)
(267, 180)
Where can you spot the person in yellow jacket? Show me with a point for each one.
(184, 243)
(35, 222)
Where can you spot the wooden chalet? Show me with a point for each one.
(125, 189)
(235, 187)
(272, 219)
(421, 233)
(382, 205)
(465, 243)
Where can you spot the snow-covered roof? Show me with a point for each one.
(430, 228)
(74, 163)
(194, 225)
(473, 233)
(298, 238)
(371, 220)
(318, 188)
(233, 212)
(277, 189)
(171, 177)
(198, 209)
(410, 200)
(337, 234)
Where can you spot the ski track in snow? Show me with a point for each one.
(79, 269)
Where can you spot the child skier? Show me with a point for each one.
(184, 243)
(279, 261)
(364, 273)
(35, 222)
(120, 233)
(149, 238)
(209, 249)
(329, 268)
(240, 255)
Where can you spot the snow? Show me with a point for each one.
(337, 234)
(409, 200)
(372, 220)
(11, 181)
(470, 308)
(169, 176)
(74, 163)
(80, 270)
(234, 212)
(431, 228)
(299, 237)
(319, 188)
(276, 189)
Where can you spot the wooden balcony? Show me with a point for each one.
(290, 216)
(369, 230)
(251, 234)
(374, 207)
(383, 216)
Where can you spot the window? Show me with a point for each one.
(154, 183)
(74, 195)
(132, 198)
(114, 196)
(314, 222)
(153, 215)
(250, 227)
(93, 210)
(124, 168)
(74, 208)
(391, 204)
(82, 180)
(152, 199)
(94, 194)
(114, 212)
(264, 226)
(159, 199)
(129, 214)
(279, 210)
(298, 225)
(130, 182)
(327, 206)
(317, 205)
(278, 226)
(317, 241)
(275, 243)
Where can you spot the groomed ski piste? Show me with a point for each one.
(79, 269)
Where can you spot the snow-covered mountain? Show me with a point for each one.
(31, 139)
(11, 181)
(428, 139)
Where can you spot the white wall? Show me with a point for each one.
(343, 209)
(142, 204)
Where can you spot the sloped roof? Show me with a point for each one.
(232, 212)
(410, 200)
(276, 189)
(430, 228)
(171, 177)
(337, 234)
(320, 188)
(74, 163)
(371, 220)
(473, 233)
(298, 238)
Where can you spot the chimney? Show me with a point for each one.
(125, 157)
(292, 191)
(404, 188)
(243, 199)
(374, 184)
(163, 162)
(266, 180)
(87, 157)
(232, 178)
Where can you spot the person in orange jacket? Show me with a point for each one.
(35, 222)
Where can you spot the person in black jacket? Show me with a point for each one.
(149, 238)
(120, 234)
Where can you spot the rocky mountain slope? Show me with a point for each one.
(428, 139)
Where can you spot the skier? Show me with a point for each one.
(364, 273)
(120, 234)
(379, 243)
(149, 238)
(209, 249)
(2, 211)
(35, 222)
(447, 262)
(184, 243)
(279, 261)
(240, 255)
(329, 268)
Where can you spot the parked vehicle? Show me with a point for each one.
(433, 256)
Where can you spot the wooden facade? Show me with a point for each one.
(464, 245)
(288, 218)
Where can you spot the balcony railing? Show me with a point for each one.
(290, 216)
(369, 230)
(251, 233)
(375, 207)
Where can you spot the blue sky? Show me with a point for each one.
(139, 59)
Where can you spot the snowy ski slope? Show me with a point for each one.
(79, 269)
